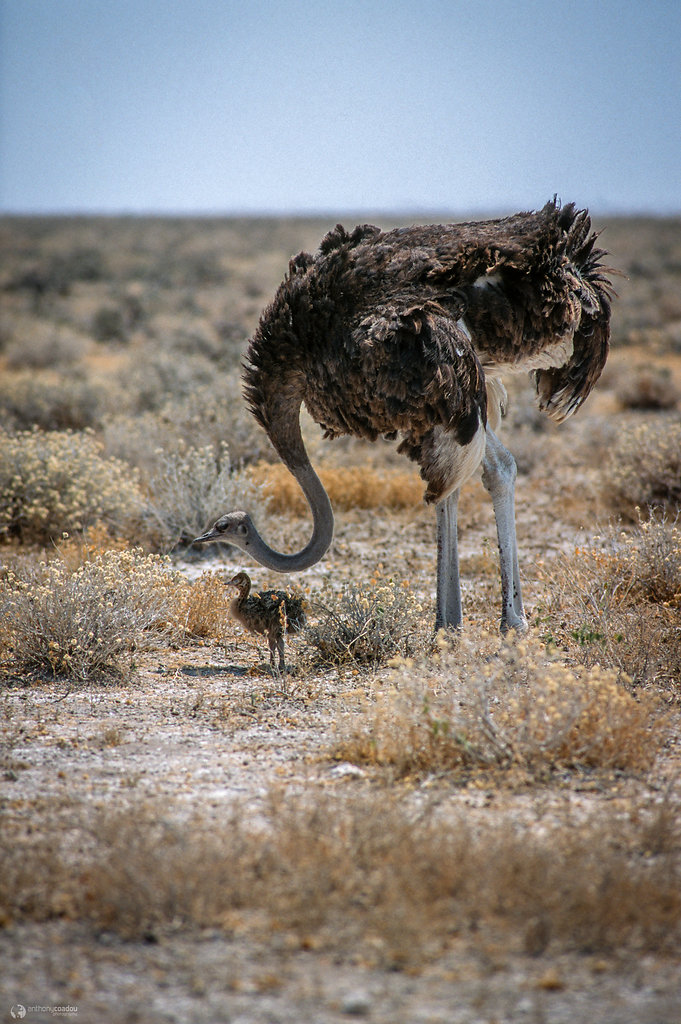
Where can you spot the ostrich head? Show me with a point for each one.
(238, 528)
(235, 528)
(242, 579)
(242, 583)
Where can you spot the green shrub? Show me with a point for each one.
(80, 625)
(57, 482)
(108, 324)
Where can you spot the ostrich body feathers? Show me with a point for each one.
(400, 332)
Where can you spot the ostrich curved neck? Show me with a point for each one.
(275, 392)
(322, 531)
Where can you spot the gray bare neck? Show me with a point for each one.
(322, 531)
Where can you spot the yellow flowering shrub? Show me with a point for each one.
(58, 481)
(81, 625)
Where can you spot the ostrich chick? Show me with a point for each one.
(270, 612)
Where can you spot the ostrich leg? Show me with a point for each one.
(276, 644)
(498, 477)
(280, 652)
(448, 610)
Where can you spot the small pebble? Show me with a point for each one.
(345, 770)
(356, 1004)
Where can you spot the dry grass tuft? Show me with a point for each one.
(502, 704)
(347, 488)
(645, 469)
(620, 603)
(359, 875)
(203, 606)
(81, 625)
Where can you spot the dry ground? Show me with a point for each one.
(204, 743)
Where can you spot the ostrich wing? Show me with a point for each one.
(405, 368)
(294, 608)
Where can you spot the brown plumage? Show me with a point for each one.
(269, 612)
(407, 332)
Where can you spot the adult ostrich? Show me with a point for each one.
(408, 332)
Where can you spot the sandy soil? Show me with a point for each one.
(185, 735)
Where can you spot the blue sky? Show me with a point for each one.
(215, 106)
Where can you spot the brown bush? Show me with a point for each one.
(29, 400)
(109, 324)
(211, 414)
(154, 376)
(363, 625)
(619, 603)
(44, 346)
(648, 387)
(502, 704)
(359, 875)
(645, 469)
(188, 490)
(203, 606)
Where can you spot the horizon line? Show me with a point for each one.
(322, 213)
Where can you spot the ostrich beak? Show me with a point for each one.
(210, 535)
